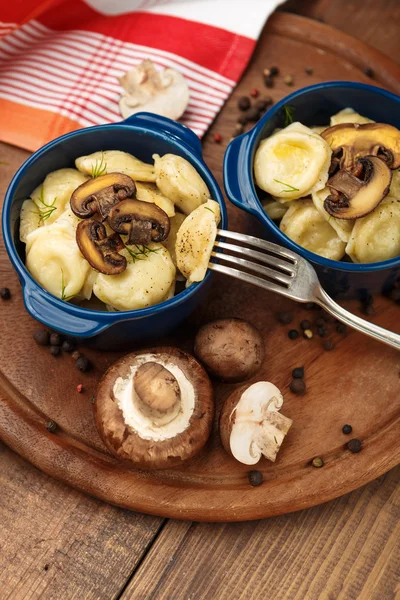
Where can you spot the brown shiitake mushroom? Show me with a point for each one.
(142, 222)
(231, 349)
(100, 194)
(100, 250)
(251, 425)
(154, 408)
(351, 141)
(354, 196)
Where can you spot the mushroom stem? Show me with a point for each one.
(157, 387)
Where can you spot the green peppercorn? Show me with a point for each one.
(318, 462)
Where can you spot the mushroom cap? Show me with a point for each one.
(142, 222)
(100, 194)
(125, 443)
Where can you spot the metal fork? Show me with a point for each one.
(287, 274)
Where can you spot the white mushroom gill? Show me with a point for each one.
(154, 427)
(259, 429)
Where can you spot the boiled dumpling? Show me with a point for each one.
(343, 227)
(195, 241)
(147, 280)
(149, 192)
(179, 181)
(170, 242)
(394, 191)
(319, 128)
(307, 227)
(49, 200)
(376, 236)
(292, 163)
(348, 115)
(115, 161)
(275, 209)
(54, 260)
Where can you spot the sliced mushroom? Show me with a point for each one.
(141, 418)
(100, 250)
(142, 222)
(351, 141)
(251, 425)
(100, 194)
(353, 197)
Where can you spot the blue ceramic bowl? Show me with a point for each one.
(313, 106)
(142, 135)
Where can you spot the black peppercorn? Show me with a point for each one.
(322, 332)
(341, 328)
(55, 339)
(262, 105)
(285, 317)
(317, 462)
(55, 350)
(354, 446)
(268, 81)
(320, 322)
(395, 295)
(41, 337)
(255, 478)
(83, 364)
(309, 70)
(293, 334)
(274, 71)
(328, 345)
(347, 429)
(368, 310)
(369, 72)
(242, 120)
(253, 114)
(310, 306)
(305, 324)
(67, 346)
(51, 426)
(297, 386)
(243, 103)
(5, 294)
(298, 373)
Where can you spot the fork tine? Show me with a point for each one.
(262, 283)
(267, 259)
(259, 269)
(253, 241)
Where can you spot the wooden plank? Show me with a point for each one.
(57, 543)
(345, 549)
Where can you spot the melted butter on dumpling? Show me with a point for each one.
(54, 260)
(307, 227)
(376, 236)
(146, 280)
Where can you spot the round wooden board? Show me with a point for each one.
(357, 383)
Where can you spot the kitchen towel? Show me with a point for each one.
(60, 59)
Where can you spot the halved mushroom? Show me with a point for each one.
(142, 222)
(354, 196)
(154, 408)
(251, 425)
(100, 194)
(351, 141)
(100, 250)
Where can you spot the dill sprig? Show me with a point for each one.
(210, 209)
(141, 253)
(99, 168)
(289, 187)
(63, 286)
(44, 210)
(289, 110)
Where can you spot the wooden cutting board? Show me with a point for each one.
(356, 383)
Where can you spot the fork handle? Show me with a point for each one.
(374, 331)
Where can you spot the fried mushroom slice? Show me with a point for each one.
(99, 249)
(99, 195)
(154, 408)
(142, 222)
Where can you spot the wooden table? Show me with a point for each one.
(56, 543)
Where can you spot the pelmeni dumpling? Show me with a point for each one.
(376, 236)
(343, 227)
(149, 192)
(394, 191)
(308, 228)
(146, 280)
(275, 209)
(179, 181)
(49, 200)
(111, 161)
(54, 260)
(169, 243)
(319, 128)
(195, 241)
(292, 163)
(348, 115)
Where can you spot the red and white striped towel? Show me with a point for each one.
(60, 59)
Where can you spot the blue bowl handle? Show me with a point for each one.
(171, 128)
(238, 180)
(46, 311)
